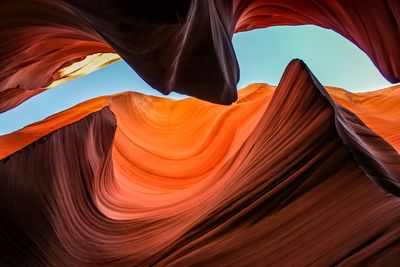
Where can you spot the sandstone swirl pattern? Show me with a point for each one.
(293, 175)
(150, 181)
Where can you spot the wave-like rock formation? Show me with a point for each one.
(286, 176)
(378, 109)
(175, 45)
(295, 175)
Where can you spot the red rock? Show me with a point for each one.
(177, 45)
(284, 177)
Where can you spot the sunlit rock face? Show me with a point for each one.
(292, 175)
(132, 179)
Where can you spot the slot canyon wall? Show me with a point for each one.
(296, 174)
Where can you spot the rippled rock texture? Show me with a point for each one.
(293, 175)
(140, 180)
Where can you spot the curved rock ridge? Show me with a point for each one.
(39, 38)
(281, 172)
(372, 25)
(162, 39)
(377, 109)
(10, 143)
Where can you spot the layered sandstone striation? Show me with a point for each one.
(138, 180)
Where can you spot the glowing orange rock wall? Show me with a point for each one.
(378, 109)
(296, 175)
(142, 180)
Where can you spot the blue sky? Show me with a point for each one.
(262, 54)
